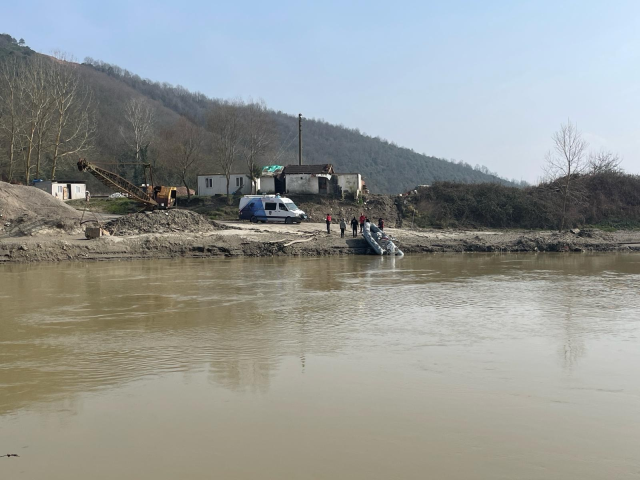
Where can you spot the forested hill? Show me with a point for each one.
(386, 167)
(9, 46)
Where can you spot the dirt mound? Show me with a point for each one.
(595, 233)
(160, 221)
(28, 211)
(375, 207)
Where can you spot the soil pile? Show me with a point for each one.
(595, 233)
(160, 221)
(29, 211)
(374, 207)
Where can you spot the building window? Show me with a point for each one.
(239, 181)
(60, 189)
(208, 182)
(77, 188)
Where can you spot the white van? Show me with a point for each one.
(269, 208)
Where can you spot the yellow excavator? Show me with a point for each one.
(152, 197)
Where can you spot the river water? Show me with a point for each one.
(447, 367)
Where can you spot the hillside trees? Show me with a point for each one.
(257, 137)
(181, 149)
(36, 108)
(225, 123)
(10, 114)
(385, 167)
(46, 113)
(240, 131)
(73, 123)
(138, 132)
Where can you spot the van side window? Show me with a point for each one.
(282, 207)
(270, 206)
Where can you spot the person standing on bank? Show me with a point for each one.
(381, 224)
(328, 223)
(354, 226)
(362, 219)
(343, 227)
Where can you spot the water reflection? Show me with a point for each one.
(73, 328)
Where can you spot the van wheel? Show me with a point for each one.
(288, 220)
(254, 219)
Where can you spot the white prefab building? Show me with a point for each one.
(70, 190)
(293, 179)
(216, 184)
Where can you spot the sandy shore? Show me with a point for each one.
(307, 239)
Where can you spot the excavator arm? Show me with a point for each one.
(117, 183)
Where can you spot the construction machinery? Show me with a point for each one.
(152, 197)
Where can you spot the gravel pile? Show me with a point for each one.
(160, 221)
(30, 211)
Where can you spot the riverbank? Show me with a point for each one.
(234, 239)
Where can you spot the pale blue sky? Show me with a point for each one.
(481, 81)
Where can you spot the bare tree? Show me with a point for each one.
(181, 149)
(225, 123)
(257, 137)
(565, 161)
(603, 161)
(141, 118)
(73, 116)
(11, 120)
(37, 104)
(41, 139)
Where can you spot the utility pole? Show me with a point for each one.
(299, 139)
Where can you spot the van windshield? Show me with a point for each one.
(290, 205)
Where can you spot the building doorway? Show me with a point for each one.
(322, 185)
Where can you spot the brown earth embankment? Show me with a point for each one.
(232, 239)
(38, 227)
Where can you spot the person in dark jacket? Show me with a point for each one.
(354, 226)
(381, 224)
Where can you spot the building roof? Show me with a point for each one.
(308, 169)
(218, 174)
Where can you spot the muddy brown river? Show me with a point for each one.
(443, 367)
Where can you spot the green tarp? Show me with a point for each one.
(272, 168)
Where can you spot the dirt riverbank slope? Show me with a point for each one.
(307, 239)
(38, 227)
